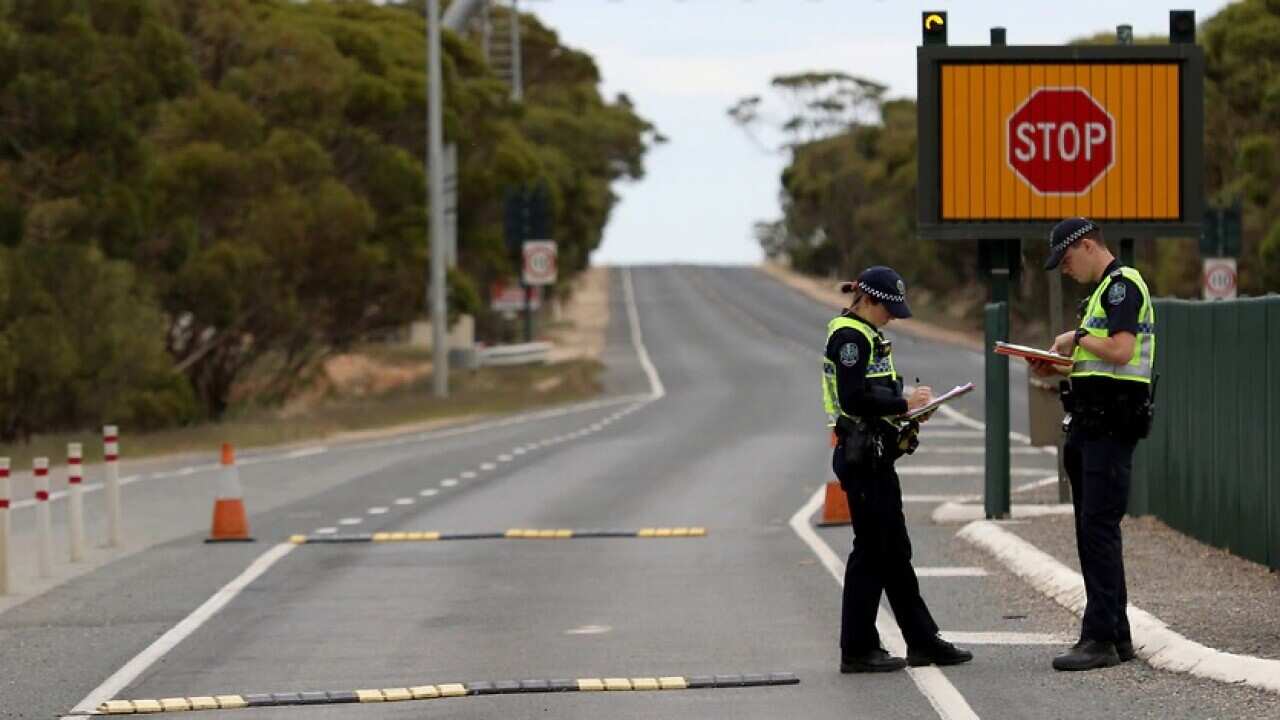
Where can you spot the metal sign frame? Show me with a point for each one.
(929, 222)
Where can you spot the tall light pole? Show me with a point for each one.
(435, 205)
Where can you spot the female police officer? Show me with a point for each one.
(1110, 404)
(861, 390)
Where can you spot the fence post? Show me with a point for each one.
(996, 495)
(75, 501)
(111, 457)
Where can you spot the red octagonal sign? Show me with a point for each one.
(1060, 141)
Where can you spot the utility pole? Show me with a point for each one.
(435, 204)
(517, 83)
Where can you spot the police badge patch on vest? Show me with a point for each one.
(1115, 294)
(849, 354)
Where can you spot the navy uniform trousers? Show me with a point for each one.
(880, 561)
(1099, 467)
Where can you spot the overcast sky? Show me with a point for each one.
(684, 62)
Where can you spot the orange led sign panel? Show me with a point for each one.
(1031, 141)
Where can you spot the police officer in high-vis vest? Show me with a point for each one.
(863, 398)
(1109, 405)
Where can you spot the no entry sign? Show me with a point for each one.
(1060, 141)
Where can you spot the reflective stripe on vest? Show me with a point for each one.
(877, 366)
(1094, 322)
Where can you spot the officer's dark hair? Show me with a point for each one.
(1095, 235)
(852, 288)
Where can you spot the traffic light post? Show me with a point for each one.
(527, 217)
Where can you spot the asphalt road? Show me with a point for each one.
(713, 420)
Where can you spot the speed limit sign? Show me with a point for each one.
(1219, 278)
(539, 262)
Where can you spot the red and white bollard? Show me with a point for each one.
(75, 501)
(4, 527)
(111, 457)
(44, 522)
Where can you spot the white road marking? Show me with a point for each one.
(518, 451)
(1006, 638)
(1025, 487)
(951, 572)
(933, 684)
(123, 677)
(588, 630)
(935, 498)
(450, 482)
(969, 450)
(306, 452)
(962, 470)
(656, 388)
(484, 466)
(350, 521)
(377, 511)
(428, 492)
(326, 530)
(404, 501)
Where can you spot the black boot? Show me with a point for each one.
(937, 652)
(1124, 650)
(877, 660)
(1088, 655)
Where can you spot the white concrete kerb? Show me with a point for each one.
(1153, 640)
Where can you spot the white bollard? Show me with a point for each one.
(75, 501)
(4, 526)
(44, 523)
(111, 457)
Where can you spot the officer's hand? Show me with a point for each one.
(1041, 368)
(919, 397)
(1065, 343)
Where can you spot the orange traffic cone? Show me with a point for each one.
(835, 507)
(229, 521)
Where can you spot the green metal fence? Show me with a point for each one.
(1211, 467)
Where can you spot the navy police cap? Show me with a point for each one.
(1063, 235)
(885, 286)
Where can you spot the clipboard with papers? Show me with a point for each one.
(938, 401)
(1030, 353)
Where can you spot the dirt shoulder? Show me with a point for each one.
(579, 332)
(826, 292)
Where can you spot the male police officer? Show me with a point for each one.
(1109, 405)
(862, 393)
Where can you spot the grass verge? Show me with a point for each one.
(472, 394)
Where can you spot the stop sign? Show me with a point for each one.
(1060, 141)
